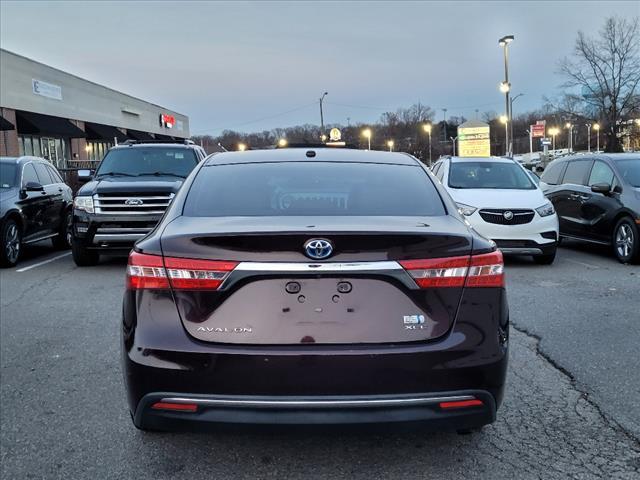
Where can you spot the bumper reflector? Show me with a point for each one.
(461, 404)
(176, 407)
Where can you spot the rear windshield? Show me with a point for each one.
(629, 168)
(485, 174)
(312, 189)
(137, 161)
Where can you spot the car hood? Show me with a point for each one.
(495, 198)
(131, 185)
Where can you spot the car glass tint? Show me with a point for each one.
(54, 175)
(601, 173)
(487, 174)
(551, 174)
(577, 172)
(148, 161)
(7, 175)
(43, 174)
(29, 174)
(629, 169)
(312, 189)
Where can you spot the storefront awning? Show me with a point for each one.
(38, 124)
(160, 136)
(5, 124)
(96, 131)
(138, 135)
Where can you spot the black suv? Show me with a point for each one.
(127, 195)
(35, 204)
(597, 198)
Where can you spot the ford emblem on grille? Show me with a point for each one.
(508, 215)
(318, 248)
(133, 201)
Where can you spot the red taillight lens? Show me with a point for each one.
(175, 407)
(155, 272)
(191, 274)
(438, 272)
(146, 272)
(461, 404)
(486, 270)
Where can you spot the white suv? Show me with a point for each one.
(501, 202)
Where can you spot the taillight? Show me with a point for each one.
(155, 272)
(191, 274)
(438, 272)
(146, 272)
(485, 270)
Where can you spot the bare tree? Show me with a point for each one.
(607, 69)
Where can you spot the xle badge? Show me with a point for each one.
(413, 322)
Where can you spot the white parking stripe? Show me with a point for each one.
(44, 262)
(584, 264)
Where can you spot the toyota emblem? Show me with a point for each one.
(318, 248)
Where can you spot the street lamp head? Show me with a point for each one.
(507, 39)
(568, 125)
(596, 126)
(554, 131)
(505, 87)
(282, 142)
(323, 137)
(390, 143)
(504, 119)
(427, 127)
(366, 133)
(242, 147)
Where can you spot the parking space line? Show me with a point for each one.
(44, 262)
(584, 264)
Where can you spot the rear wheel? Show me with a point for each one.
(626, 244)
(82, 256)
(63, 240)
(546, 259)
(11, 242)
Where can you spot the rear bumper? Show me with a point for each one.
(446, 410)
(161, 360)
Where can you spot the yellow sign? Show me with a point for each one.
(473, 140)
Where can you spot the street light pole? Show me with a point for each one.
(511, 121)
(427, 128)
(569, 127)
(596, 127)
(321, 113)
(453, 143)
(505, 119)
(506, 86)
(588, 125)
(444, 124)
(367, 134)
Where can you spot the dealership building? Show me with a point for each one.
(69, 120)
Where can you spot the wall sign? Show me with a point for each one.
(167, 121)
(45, 89)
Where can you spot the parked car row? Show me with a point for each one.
(593, 198)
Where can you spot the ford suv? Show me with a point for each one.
(127, 195)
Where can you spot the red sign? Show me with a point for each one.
(537, 130)
(167, 121)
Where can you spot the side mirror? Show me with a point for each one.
(33, 187)
(603, 188)
(84, 175)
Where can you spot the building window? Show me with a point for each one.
(96, 150)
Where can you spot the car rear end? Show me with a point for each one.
(338, 290)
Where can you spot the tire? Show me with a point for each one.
(626, 241)
(545, 259)
(83, 257)
(63, 240)
(10, 243)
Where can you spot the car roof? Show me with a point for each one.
(481, 159)
(155, 145)
(22, 159)
(601, 156)
(320, 155)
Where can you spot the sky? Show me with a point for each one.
(250, 66)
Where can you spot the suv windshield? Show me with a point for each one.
(8, 175)
(137, 161)
(486, 174)
(312, 189)
(629, 168)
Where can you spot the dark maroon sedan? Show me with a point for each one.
(325, 286)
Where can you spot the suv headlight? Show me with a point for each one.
(83, 203)
(546, 210)
(465, 210)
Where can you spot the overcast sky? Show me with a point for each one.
(253, 66)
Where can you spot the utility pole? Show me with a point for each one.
(505, 86)
(321, 113)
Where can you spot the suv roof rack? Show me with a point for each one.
(181, 141)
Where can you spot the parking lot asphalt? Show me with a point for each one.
(571, 408)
